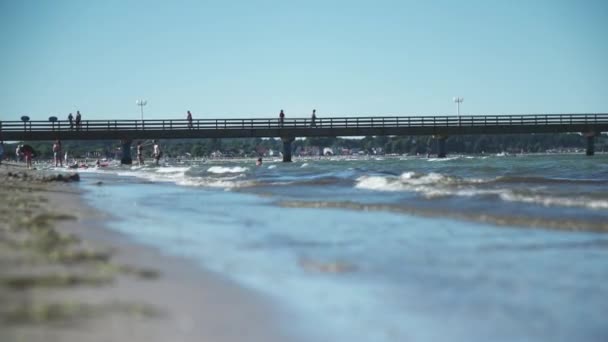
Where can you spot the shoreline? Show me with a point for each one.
(95, 284)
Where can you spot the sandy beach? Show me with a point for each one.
(64, 277)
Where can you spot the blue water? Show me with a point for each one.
(464, 249)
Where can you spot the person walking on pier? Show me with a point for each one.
(78, 119)
(313, 118)
(281, 118)
(140, 154)
(157, 152)
(189, 118)
(57, 153)
(71, 120)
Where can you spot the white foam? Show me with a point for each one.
(170, 169)
(221, 169)
(442, 159)
(378, 183)
(416, 179)
(214, 182)
(432, 185)
(304, 165)
(550, 201)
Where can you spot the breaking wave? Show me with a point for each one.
(550, 201)
(502, 220)
(434, 185)
(222, 169)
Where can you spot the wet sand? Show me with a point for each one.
(64, 277)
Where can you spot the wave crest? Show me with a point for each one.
(222, 169)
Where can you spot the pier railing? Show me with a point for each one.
(333, 122)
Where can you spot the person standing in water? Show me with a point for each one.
(28, 154)
(157, 152)
(281, 118)
(140, 154)
(18, 153)
(189, 118)
(259, 162)
(57, 153)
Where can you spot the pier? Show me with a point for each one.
(440, 127)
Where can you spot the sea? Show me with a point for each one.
(465, 248)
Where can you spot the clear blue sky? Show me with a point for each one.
(253, 58)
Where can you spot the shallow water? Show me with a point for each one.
(402, 249)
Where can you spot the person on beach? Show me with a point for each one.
(281, 118)
(259, 162)
(189, 118)
(57, 153)
(157, 152)
(18, 153)
(78, 119)
(140, 153)
(1, 152)
(71, 120)
(28, 153)
(313, 118)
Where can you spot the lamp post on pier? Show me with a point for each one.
(458, 101)
(141, 104)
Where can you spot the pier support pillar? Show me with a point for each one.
(441, 145)
(126, 152)
(287, 149)
(590, 143)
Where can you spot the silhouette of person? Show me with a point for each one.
(78, 119)
(140, 153)
(189, 118)
(157, 152)
(281, 118)
(57, 158)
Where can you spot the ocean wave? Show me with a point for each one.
(170, 169)
(435, 185)
(554, 201)
(222, 169)
(412, 181)
(178, 176)
(575, 224)
(330, 180)
(541, 180)
(443, 159)
(224, 183)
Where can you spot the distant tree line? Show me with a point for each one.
(253, 147)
